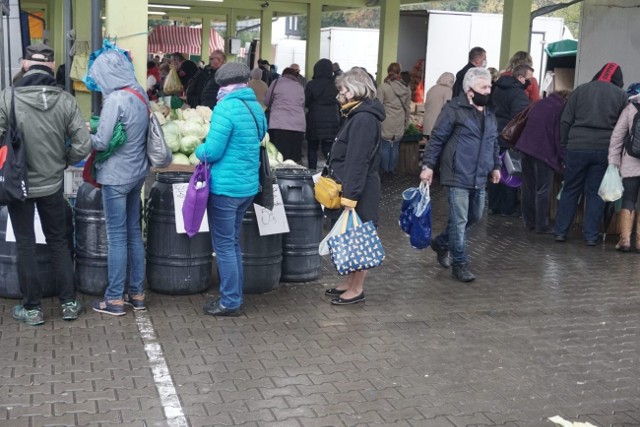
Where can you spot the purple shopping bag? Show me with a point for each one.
(195, 201)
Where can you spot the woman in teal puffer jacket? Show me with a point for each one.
(232, 149)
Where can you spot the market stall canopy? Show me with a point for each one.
(560, 48)
(165, 38)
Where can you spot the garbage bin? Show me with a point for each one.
(9, 286)
(300, 258)
(91, 241)
(261, 256)
(175, 264)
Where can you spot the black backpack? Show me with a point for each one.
(13, 162)
(632, 139)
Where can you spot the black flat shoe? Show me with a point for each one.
(218, 310)
(334, 292)
(344, 301)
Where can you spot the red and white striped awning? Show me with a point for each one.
(167, 39)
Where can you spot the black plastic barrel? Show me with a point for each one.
(9, 286)
(300, 258)
(261, 256)
(175, 264)
(91, 241)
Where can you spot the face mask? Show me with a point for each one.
(479, 99)
(527, 83)
(484, 64)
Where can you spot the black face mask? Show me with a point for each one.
(479, 99)
(527, 83)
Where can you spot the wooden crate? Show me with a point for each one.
(409, 155)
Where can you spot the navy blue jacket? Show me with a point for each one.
(467, 152)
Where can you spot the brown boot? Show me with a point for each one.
(626, 225)
(637, 232)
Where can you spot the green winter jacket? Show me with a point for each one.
(46, 116)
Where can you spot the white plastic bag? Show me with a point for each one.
(611, 187)
(323, 249)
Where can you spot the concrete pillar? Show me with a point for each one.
(127, 22)
(82, 25)
(232, 24)
(56, 31)
(389, 28)
(515, 29)
(206, 39)
(266, 17)
(314, 23)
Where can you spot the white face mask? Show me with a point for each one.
(484, 64)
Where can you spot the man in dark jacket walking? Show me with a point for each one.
(586, 125)
(477, 58)
(47, 116)
(206, 86)
(323, 116)
(465, 140)
(509, 98)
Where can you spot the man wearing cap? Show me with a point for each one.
(46, 115)
(267, 76)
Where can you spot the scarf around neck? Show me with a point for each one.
(226, 90)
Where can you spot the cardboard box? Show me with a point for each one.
(72, 181)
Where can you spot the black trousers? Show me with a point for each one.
(631, 187)
(288, 142)
(312, 151)
(52, 210)
(537, 181)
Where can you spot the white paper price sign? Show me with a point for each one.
(272, 221)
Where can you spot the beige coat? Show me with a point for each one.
(437, 96)
(260, 88)
(629, 165)
(396, 99)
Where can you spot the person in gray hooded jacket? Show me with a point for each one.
(46, 116)
(122, 176)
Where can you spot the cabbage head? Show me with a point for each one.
(189, 143)
(172, 136)
(193, 159)
(180, 159)
(194, 127)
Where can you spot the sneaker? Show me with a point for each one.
(112, 307)
(135, 301)
(71, 310)
(442, 254)
(461, 273)
(32, 317)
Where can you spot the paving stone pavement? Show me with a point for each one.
(546, 329)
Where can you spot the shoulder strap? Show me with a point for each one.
(253, 116)
(399, 99)
(273, 92)
(13, 120)
(140, 97)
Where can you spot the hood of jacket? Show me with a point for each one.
(611, 73)
(111, 71)
(372, 106)
(446, 79)
(323, 69)
(38, 90)
(509, 82)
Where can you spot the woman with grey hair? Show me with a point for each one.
(355, 160)
(465, 141)
(259, 87)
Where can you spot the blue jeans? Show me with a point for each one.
(389, 155)
(225, 222)
(124, 235)
(583, 175)
(465, 209)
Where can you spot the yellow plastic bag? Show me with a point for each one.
(80, 61)
(172, 85)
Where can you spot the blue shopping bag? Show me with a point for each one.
(415, 215)
(106, 45)
(357, 248)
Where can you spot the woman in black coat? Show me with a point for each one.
(323, 118)
(355, 160)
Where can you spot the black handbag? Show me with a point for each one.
(13, 162)
(266, 177)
